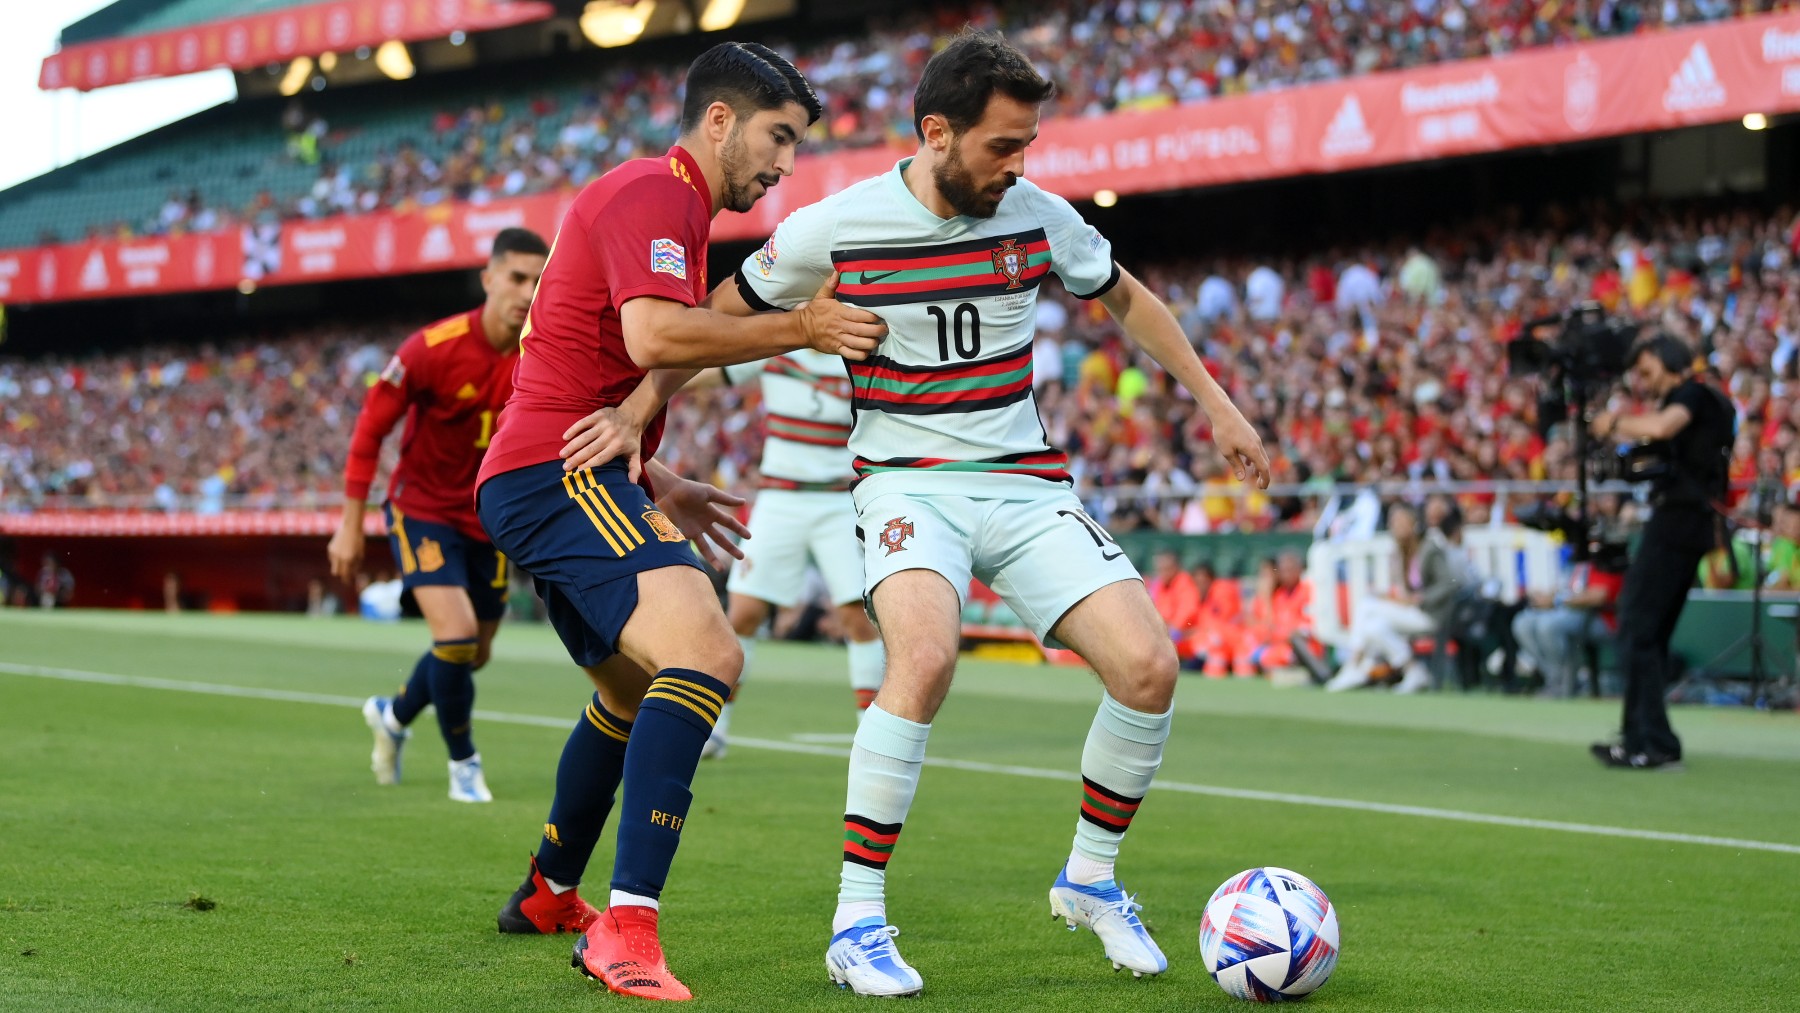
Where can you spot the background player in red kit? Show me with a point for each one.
(450, 380)
(621, 295)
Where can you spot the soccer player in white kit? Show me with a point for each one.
(956, 478)
(802, 512)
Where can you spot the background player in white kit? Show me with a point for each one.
(955, 477)
(803, 511)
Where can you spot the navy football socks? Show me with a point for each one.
(593, 761)
(415, 694)
(450, 668)
(673, 722)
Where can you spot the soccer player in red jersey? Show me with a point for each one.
(621, 295)
(450, 381)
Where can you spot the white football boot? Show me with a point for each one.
(1112, 915)
(864, 959)
(466, 782)
(385, 760)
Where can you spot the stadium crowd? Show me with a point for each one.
(1117, 55)
(1385, 362)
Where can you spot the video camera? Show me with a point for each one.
(1589, 347)
(1585, 356)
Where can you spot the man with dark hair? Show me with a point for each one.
(955, 477)
(449, 380)
(621, 295)
(1696, 423)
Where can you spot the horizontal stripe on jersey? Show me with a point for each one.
(1051, 465)
(818, 434)
(956, 388)
(831, 386)
(789, 485)
(887, 276)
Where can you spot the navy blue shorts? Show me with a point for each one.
(438, 555)
(584, 536)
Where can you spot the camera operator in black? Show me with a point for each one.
(1696, 423)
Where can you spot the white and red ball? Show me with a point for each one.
(1268, 935)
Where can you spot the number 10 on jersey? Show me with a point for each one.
(953, 328)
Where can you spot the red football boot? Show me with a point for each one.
(621, 949)
(534, 909)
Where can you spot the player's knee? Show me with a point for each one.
(925, 662)
(723, 659)
(1145, 680)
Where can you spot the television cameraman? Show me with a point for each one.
(1695, 425)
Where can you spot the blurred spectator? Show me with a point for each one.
(1420, 596)
(55, 584)
(1557, 627)
(1215, 630)
(1279, 631)
(1174, 594)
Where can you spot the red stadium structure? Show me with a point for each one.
(376, 146)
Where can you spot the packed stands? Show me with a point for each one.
(479, 138)
(1380, 364)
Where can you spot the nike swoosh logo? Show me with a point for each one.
(871, 277)
(1110, 556)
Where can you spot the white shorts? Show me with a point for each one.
(786, 528)
(1041, 555)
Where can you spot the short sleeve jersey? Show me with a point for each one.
(640, 230)
(449, 383)
(806, 396)
(948, 392)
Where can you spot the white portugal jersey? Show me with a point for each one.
(948, 392)
(806, 401)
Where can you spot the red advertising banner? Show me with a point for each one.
(145, 523)
(277, 36)
(1545, 96)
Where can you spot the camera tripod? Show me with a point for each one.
(1760, 681)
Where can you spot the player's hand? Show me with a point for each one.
(606, 435)
(345, 551)
(1236, 438)
(699, 510)
(838, 328)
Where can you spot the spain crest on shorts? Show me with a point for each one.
(1010, 261)
(894, 536)
(665, 529)
(431, 556)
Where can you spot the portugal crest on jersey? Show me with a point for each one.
(894, 536)
(1010, 262)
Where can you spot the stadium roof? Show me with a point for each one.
(136, 39)
(136, 17)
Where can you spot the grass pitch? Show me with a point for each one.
(167, 848)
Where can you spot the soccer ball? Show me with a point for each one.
(1268, 935)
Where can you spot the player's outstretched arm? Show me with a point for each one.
(664, 334)
(383, 406)
(1150, 326)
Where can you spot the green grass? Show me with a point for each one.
(124, 810)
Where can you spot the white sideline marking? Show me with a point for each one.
(1038, 773)
(824, 738)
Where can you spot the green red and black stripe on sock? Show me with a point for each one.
(867, 842)
(1105, 808)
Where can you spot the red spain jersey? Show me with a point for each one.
(450, 383)
(639, 230)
